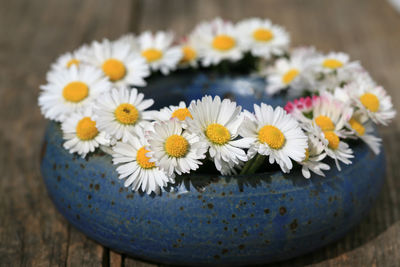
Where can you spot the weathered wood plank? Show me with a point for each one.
(129, 262)
(83, 251)
(115, 259)
(33, 33)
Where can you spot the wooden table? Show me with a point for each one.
(34, 33)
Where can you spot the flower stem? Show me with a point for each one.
(253, 165)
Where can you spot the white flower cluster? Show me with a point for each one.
(90, 92)
(305, 69)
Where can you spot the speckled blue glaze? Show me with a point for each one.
(207, 218)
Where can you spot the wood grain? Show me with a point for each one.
(34, 33)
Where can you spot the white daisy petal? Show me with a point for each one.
(216, 41)
(216, 123)
(262, 38)
(277, 136)
(81, 133)
(175, 150)
(158, 52)
(71, 90)
(119, 62)
(372, 100)
(121, 112)
(142, 173)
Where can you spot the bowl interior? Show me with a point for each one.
(188, 85)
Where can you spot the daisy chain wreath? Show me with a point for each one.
(90, 91)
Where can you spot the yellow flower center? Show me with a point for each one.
(307, 155)
(331, 63)
(357, 126)
(188, 54)
(152, 54)
(333, 140)
(271, 136)
(223, 42)
(73, 61)
(218, 134)
(143, 160)
(126, 113)
(86, 129)
(114, 69)
(176, 146)
(263, 35)
(325, 123)
(370, 102)
(289, 76)
(181, 114)
(75, 91)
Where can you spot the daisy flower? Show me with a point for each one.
(81, 133)
(158, 51)
(262, 38)
(332, 62)
(121, 111)
(326, 72)
(175, 150)
(334, 146)
(122, 65)
(331, 114)
(326, 122)
(289, 72)
(70, 90)
(217, 122)
(328, 113)
(275, 134)
(190, 53)
(333, 70)
(136, 165)
(364, 130)
(372, 100)
(217, 40)
(314, 155)
(180, 112)
(71, 58)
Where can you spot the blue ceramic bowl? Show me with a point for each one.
(207, 218)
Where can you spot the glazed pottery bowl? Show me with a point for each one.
(206, 218)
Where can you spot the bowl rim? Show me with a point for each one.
(273, 179)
